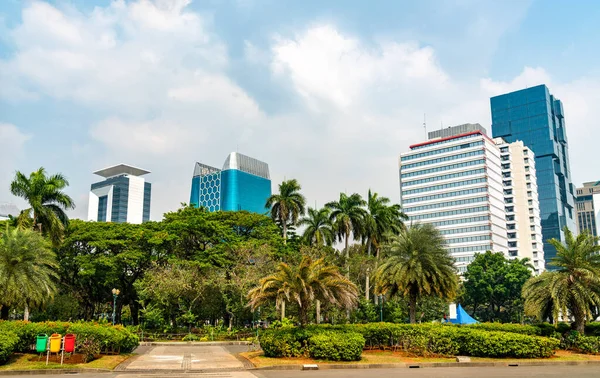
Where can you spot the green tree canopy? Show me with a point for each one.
(493, 285)
(347, 216)
(303, 284)
(574, 287)
(417, 265)
(287, 205)
(27, 270)
(46, 199)
(319, 230)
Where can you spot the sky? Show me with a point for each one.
(327, 92)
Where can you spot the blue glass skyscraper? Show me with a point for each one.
(536, 117)
(243, 184)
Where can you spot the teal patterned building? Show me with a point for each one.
(242, 184)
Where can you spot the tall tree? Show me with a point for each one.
(46, 199)
(418, 265)
(380, 219)
(303, 284)
(27, 270)
(574, 287)
(493, 285)
(347, 216)
(319, 230)
(286, 206)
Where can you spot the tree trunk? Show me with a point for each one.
(303, 316)
(284, 225)
(318, 308)
(367, 278)
(579, 317)
(26, 313)
(135, 313)
(412, 309)
(282, 310)
(4, 312)
(347, 255)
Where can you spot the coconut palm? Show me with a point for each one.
(303, 284)
(347, 216)
(46, 199)
(417, 265)
(27, 270)
(380, 219)
(287, 206)
(573, 287)
(319, 230)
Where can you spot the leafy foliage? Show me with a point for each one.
(27, 269)
(319, 230)
(286, 206)
(418, 265)
(573, 288)
(47, 201)
(336, 346)
(493, 285)
(303, 284)
(8, 341)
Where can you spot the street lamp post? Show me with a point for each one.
(381, 308)
(115, 293)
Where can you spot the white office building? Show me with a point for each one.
(523, 222)
(124, 196)
(588, 208)
(454, 181)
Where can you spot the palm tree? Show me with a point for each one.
(46, 199)
(286, 206)
(347, 216)
(304, 283)
(418, 265)
(319, 230)
(27, 270)
(379, 220)
(573, 287)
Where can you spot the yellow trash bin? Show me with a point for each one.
(55, 345)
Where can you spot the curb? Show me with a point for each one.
(53, 371)
(431, 365)
(193, 343)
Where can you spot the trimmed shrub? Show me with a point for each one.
(508, 327)
(8, 342)
(109, 338)
(420, 340)
(587, 344)
(336, 346)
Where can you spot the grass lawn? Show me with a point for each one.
(389, 357)
(31, 362)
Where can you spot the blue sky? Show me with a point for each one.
(328, 92)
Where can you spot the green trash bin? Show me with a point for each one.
(41, 343)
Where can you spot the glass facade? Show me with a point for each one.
(147, 200)
(102, 202)
(535, 117)
(244, 191)
(242, 184)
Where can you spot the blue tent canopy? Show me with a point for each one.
(462, 317)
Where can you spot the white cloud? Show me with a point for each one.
(158, 77)
(12, 145)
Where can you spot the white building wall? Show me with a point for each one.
(135, 203)
(459, 191)
(520, 193)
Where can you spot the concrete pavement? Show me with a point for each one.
(184, 358)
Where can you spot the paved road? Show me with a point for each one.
(580, 371)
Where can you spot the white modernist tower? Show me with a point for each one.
(454, 182)
(123, 196)
(522, 206)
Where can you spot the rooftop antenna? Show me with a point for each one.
(425, 124)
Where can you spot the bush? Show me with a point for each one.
(508, 327)
(420, 340)
(110, 338)
(191, 337)
(336, 346)
(8, 342)
(89, 348)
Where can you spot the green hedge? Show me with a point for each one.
(336, 346)
(111, 338)
(421, 340)
(8, 342)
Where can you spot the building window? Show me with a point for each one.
(508, 192)
(512, 235)
(508, 200)
(527, 177)
(533, 236)
(526, 161)
(531, 219)
(530, 202)
(506, 166)
(533, 245)
(510, 209)
(507, 183)
(528, 185)
(532, 228)
(529, 194)
(526, 168)
(506, 174)
(525, 152)
(512, 244)
(513, 253)
(505, 157)
(503, 149)
(510, 218)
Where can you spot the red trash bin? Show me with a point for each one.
(69, 343)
